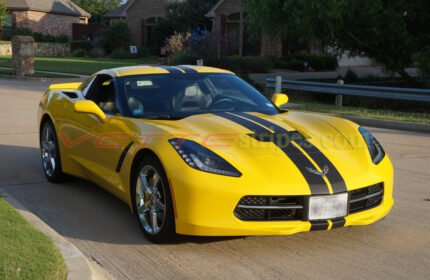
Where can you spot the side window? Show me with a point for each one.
(87, 85)
(102, 92)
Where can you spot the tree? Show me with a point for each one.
(390, 32)
(189, 14)
(97, 8)
(2, 15)
(2, 12)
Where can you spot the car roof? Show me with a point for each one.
(160, 69)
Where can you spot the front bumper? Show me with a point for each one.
(206, 206)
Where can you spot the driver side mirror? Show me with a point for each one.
(280, 99)
(89, 107)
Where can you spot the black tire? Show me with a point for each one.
(167, 231)
(56, 175)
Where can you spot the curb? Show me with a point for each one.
(78, 267)
(396, 125)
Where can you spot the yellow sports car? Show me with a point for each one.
(195, 150)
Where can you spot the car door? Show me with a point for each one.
(103, 143)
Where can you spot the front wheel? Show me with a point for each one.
(50, 153)
(152, 202)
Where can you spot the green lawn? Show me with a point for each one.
(366, 113)
(26, 253)
(82, 66)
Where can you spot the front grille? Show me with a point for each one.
(269, 208)
(294, 208)
(366, 198)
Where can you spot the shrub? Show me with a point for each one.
(203, 44)
(351, 76)
(331, 62)
(183, 58)
(23, 32)
(78, 53)
(314, 61)
(80, 45)
(117, 37)
(120, 54)
(257, 64)
(295, 65)
(96, 53)
(177, 43)
(232, 63)
(40, 37)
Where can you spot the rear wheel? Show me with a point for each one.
(50, 153)
(152, 201)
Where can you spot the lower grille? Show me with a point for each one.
(294, 208)
(269, 208)
(366, 198)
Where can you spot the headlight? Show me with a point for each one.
(376, 151)
(201, 158)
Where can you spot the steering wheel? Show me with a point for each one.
(222, 103)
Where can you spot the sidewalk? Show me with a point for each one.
(362, 72)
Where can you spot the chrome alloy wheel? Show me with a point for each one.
(150, 200)
(49, 150)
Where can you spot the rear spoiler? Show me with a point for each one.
(66, 86)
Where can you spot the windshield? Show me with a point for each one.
(179, 96)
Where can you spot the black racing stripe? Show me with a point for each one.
(172, 70)
(319, 225)
(122, 157)
(335, 178)
(258, 130)
(338, 223)
(316, 183)
(187, 69)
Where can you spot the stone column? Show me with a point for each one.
(23, 55)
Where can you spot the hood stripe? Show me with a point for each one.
(257, 129)
(172, 70)
(336, 180)
(316, 183)
(187, 69)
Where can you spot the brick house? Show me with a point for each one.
(53, 17)
(141, 16)
(228, 26)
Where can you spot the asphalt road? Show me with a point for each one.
(102, 227)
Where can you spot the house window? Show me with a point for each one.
(147, 27)
(6, 26)
(238, 39)
(233, 34)
(7, 21)
(83, 20)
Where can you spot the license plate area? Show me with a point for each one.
(328, 207)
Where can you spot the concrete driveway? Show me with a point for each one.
(102, 227)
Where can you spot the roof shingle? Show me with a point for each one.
(64, 7)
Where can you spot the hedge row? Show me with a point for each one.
(40, 37)
(315, 62)
(254, 64)
(260, 64)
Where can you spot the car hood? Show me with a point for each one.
(335, 144)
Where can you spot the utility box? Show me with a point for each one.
(23, 55)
